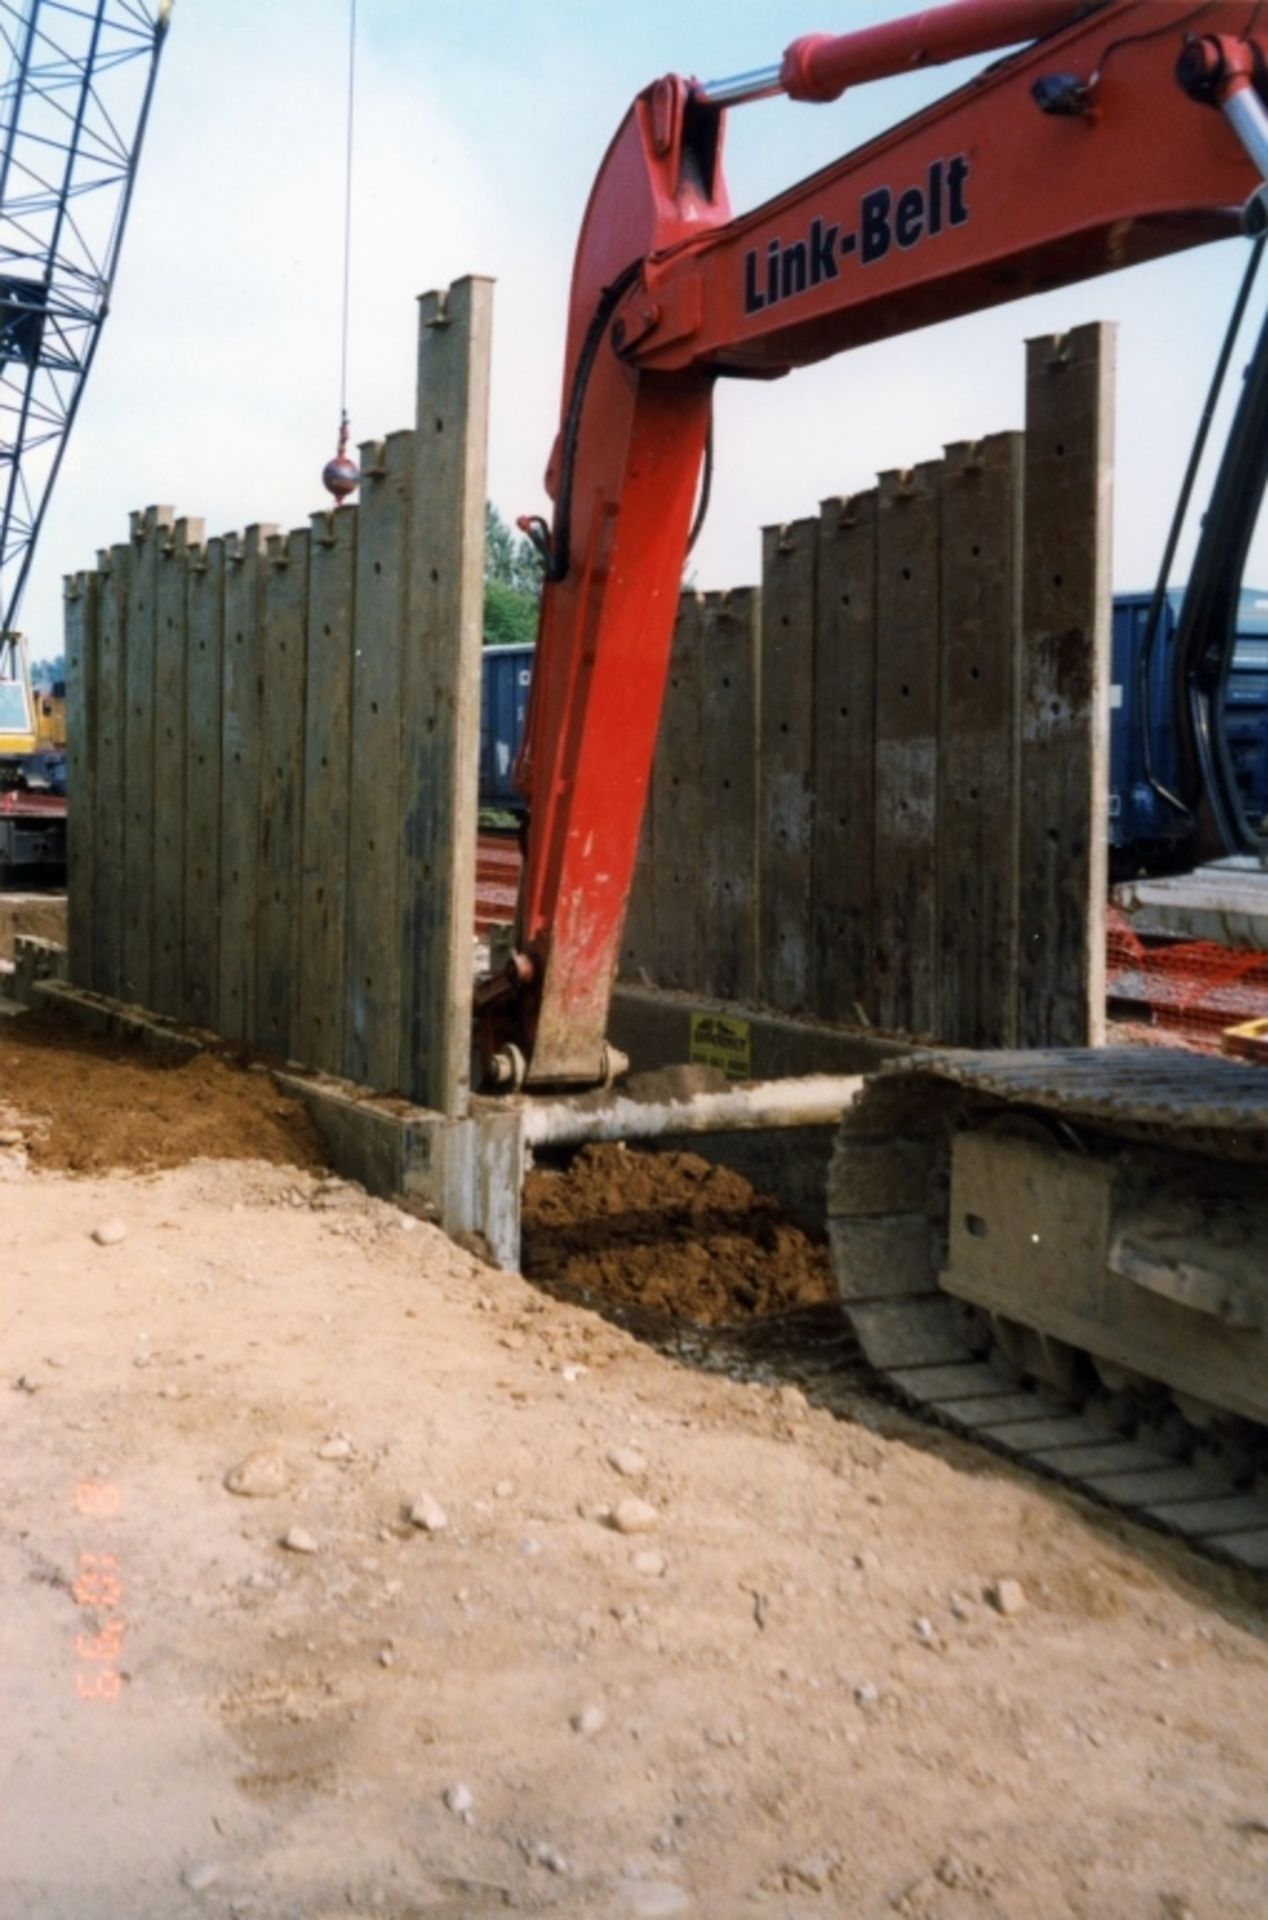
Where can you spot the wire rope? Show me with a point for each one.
(347, 209)
(340, 476)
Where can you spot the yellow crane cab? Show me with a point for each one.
(17, 716)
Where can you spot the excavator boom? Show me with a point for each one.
(1099, 146)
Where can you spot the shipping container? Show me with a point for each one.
(508, 675)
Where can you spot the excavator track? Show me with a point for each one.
(1064, 1255)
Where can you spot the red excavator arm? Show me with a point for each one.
(1099, 146)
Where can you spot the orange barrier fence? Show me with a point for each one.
(1191, 990)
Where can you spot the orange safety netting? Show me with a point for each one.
(1192, 988)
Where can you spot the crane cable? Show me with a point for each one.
(347, 209)
(341, 476)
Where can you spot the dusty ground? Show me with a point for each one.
(787, 1696)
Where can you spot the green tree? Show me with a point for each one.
(512, 583)
(45, 672)
(510, 618)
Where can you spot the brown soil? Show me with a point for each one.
(670, 1233)
(99, 1104)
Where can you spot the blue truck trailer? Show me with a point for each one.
(1144, 830)
(508, 675)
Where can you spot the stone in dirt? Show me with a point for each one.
(334, 1193)
(199, 1878)
(633, 1516)
(1006, 1596)
(299, 1540)
(590, 1719)
(628, 1462)
(261, 1475)
(814, 1872)
(338, 1447)
(109, 1233)
(428, 1514)
(459, 1799)
(650, 1562)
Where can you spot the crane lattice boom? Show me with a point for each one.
(73, 109)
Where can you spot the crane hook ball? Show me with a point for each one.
(340, 477)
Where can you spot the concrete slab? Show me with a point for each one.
(36, 913)
(1226, 902)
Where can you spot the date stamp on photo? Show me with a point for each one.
(98, 1589)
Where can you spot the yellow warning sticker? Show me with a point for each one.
(719, 1041)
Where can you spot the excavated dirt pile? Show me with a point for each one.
(668, 1233)
(85, 1105)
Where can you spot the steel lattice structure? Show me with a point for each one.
(73, 110)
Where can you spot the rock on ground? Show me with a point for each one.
(261, 1475)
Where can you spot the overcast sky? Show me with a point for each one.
(480, 126)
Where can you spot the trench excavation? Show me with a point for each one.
(694, 1260)
(669, 1234)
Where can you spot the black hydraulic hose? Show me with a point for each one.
(1206, 634)
(706, 488)
(556, 549)
(557, 556)
(1145, 657)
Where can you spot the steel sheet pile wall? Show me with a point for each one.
(879, 789)
(273, 744)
